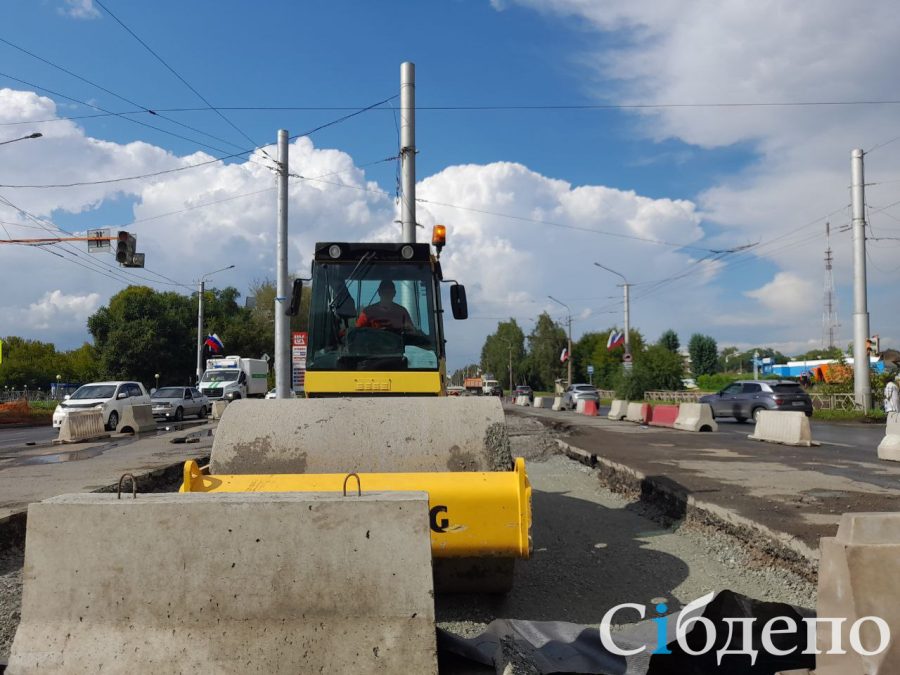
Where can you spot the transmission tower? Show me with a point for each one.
(829, 315)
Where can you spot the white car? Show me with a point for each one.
(109, 397)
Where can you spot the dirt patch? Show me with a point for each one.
(497, 447)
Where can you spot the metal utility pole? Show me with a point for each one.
(862, 386)
(569, 349)
(408, 152)
(829, 315)
(282, 320)
(626, 286)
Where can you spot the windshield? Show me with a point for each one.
(372, 316)
(219, 376)
(168, 392)
(95, 391)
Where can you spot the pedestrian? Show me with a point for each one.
(892, 396)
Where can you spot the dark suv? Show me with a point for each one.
(745, 398)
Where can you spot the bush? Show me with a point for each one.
(716, 382)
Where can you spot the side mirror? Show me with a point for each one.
(296, 295)
(122, 395)
(66, 397)
(458, 302)
(152, 391)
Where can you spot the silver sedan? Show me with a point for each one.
(176, 403)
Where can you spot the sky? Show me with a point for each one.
(698, 149)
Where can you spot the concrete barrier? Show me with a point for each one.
(523, 401)
(635, 413)
(543, 402)
(137, 419)
(664, 416)
(218, 407)
(579, 406)
(695, 417)
(787, 427)
(590, 408)
(557, 403)
(889, 448)
(288, 583)
(618, 409)
(859, 576)
(82, 425)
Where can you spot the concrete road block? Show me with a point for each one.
(635, 413)
(859, 576)
(523, 401)
(695, 417)
(557, 403)
(787, 427)
(579, 406)
(218, 408)
(82, 425)
(543, 402)
(618, 410)
(664, 416)
(137, 419)
(590, 408)
(254, 582)
(889, 448)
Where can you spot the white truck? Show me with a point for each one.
(233, 377)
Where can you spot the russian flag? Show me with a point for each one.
(564, 355)
(214, 343)
(615, 339)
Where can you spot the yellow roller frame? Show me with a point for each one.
(472, 514)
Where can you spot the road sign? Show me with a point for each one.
(98, 240)
(590, 370)
(298, 361)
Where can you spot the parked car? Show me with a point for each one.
(524, 390)
(579, 392)
(109, 397)
(176, 403)
(744, 399)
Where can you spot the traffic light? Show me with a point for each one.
(122, 247)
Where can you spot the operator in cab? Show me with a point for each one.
(386, 313)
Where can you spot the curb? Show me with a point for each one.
(672, 504)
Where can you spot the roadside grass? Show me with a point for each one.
(873, 416)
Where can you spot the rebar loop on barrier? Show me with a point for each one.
(133, 485)
(358, 484)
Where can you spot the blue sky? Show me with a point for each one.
(706, 177)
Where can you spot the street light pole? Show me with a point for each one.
(569, 350)
(626, 286)
(36, 134)
(200, 291)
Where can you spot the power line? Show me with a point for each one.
(154, 174)
(112, 93)
(176, 74)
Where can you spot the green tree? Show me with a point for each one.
(608, 362)
(583, 355)
(142, 332)
(669, 340)
(28, 363)
(505, 345)
(545, 344)
(704, 354)
(655, 368)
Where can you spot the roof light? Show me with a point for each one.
(334, 251)
(407, 252)
(439, 235)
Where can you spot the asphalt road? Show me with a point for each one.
(798, 491)
(21, 436)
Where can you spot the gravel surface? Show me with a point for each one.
(593, 549)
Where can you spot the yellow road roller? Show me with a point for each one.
(375, 405)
